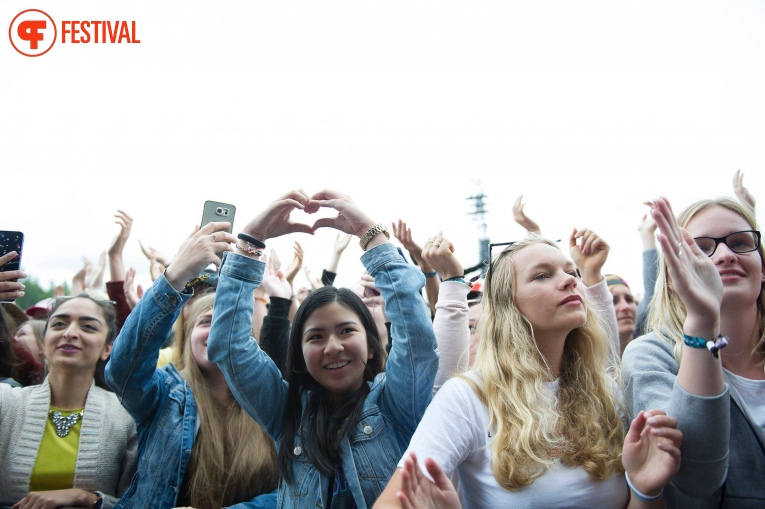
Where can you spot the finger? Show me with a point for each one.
(214, 227)
(139, 291)
(13, 274)
(436, 472)
(517, 204)
(572, 239)
(691, 243)
(636, 429)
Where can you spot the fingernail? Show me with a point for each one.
(647, 415)
(652, 420)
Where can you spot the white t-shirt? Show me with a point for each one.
(454, 432)
(751, 395)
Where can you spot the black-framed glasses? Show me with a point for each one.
(739, 242)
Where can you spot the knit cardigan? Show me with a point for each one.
(107, 452)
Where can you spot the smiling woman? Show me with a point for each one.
(67, 442)
(710, 284)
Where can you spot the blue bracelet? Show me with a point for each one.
(430, 274)
(641, 496)
(714, 347)
(459, 279)
(694, 342)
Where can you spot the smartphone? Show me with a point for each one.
(11, 241)
(216, 211)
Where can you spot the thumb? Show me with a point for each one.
(139, 291)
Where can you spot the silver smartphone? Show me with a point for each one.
(215, 211)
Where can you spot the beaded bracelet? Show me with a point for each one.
(639, 495)
(714, 347)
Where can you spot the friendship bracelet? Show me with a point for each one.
(639, 495)
(714, 347)
(430, 274)
(252, 240)
(457, 279)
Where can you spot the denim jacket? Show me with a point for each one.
(397, 398)
(159, 400)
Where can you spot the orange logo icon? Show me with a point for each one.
(32, 33)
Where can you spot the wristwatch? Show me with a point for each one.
(372, 232)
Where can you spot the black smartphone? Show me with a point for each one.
(11, 241)
(218, 211)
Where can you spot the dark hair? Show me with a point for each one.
(328, 423)
(7, 356)
(110, 317)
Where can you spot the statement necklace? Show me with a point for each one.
(64, 423)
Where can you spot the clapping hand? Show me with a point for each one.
(651, 452)
(692, 274)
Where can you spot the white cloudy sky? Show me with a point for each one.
(588, 108)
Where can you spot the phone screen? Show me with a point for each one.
(11, 241)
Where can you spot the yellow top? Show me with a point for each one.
(57, 456)
(166, 356)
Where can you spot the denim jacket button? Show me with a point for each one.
(171, 299)
(298, 451)
(368, 429)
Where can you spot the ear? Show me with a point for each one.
(107, 351)
(370, 355)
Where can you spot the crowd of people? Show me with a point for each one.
(542, 382)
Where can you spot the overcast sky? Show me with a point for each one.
(587, 108)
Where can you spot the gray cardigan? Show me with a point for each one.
(723, 459)
(106, 455)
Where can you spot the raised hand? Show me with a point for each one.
(78, 280)
(647, 229)
(275, 283)
(116, 264)
(155, 268)
(341, 242)
(149, 251)
(522, 219)
(651, 452)
(275, 220)
(349, 219)
(589, 255)
(94, 275)
(10, 288)
(132, 293)
(203, 247)
(419, 492)
(313, 281)
(692, 274)
(742, 193)
(404, 235)
(294, 267)
(438, 254)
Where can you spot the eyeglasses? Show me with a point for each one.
(738, 242)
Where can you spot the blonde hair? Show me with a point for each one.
(667, 313)
(580, 425)
(233, 459)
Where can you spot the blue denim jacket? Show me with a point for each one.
(159, 400)
(397, 398)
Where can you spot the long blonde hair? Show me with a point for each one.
(580, 425)
(233, 458)
(667, 313)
